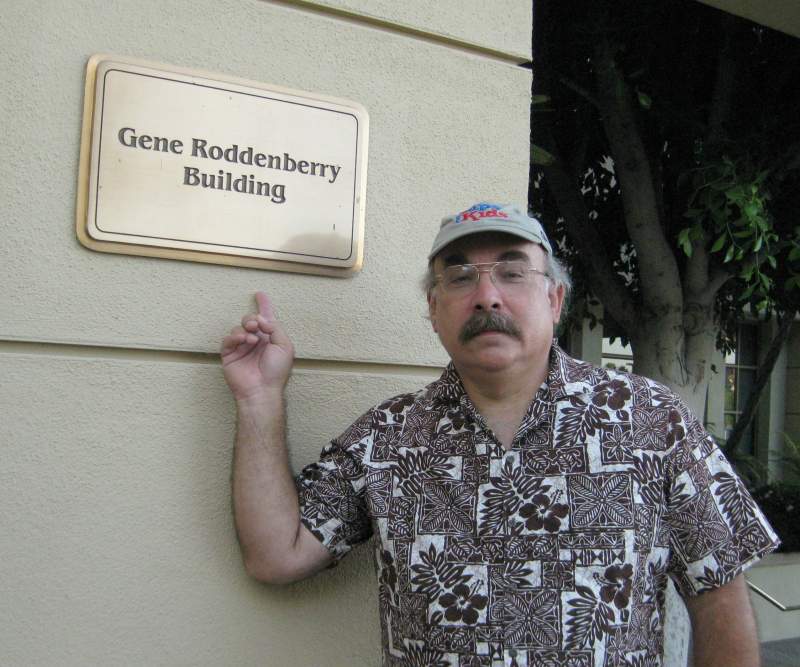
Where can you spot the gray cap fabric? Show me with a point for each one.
(486, 217)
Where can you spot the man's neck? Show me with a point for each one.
(502, 398)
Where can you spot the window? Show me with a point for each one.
(740, 375)
(616, 355)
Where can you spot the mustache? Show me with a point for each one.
(488, 321)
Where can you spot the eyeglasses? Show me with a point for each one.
(463, 278)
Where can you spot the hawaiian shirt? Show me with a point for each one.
(554, 552)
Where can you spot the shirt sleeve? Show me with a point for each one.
(331, 492)
(716, 530)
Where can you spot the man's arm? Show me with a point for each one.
(257, 360)
(723, 627)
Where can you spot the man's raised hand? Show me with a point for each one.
(257, 356)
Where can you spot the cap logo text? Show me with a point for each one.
(479, 211)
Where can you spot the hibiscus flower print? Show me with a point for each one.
(676, 432)
(542, 512)
(462, 604)
(616, 586)
(614, 394)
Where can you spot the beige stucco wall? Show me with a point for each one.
(116, 534)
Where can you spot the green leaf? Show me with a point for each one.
(736, 193)
(540, 99)
(541, 157)
(757, 244)
(729, 254)
(644, 99)
(752, 210)
(794, 254)
(719, 243)
(684, 242)
(772, 261)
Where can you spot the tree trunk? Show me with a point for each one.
(661, 353)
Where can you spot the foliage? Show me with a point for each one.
(791, 459)
(690, 103)
(729, 203)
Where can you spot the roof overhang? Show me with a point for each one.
(783, 15)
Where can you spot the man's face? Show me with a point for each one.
(492, 327)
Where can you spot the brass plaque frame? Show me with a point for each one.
(109, 212)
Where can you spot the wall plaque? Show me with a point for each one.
(188, 165)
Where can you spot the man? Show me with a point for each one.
(528, 507)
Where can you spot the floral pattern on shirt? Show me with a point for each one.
(554, 552)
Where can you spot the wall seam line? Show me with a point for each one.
(507, 57)
(161, 355)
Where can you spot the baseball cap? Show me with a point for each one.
(487, 217)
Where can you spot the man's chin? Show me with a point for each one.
(491, 360)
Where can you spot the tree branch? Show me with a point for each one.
(579, 90)
(658, 270)
(606, 284)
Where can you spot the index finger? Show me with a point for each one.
(265, 306)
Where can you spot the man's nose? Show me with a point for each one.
(487, 296)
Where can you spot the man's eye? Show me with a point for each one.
(460, 279)
(512, 273)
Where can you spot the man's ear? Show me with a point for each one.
(556, 295)
(432, 309)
